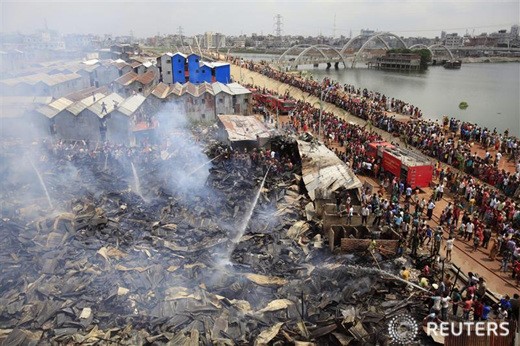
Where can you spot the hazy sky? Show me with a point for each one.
(147, 18)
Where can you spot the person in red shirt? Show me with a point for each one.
(478, 309)
(470, 291)
(466, 308)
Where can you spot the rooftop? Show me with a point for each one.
(243, 128)
(323, 172)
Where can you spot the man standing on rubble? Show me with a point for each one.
(364, 214)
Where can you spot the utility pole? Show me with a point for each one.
(180, 32)
(278, 25)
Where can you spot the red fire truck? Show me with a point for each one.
(410, 167)
(283, 106)
(375, 149)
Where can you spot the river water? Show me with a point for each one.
(492, 90)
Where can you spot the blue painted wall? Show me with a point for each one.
(204, 74)
(178, 62)
(223, 74)
(193, 67)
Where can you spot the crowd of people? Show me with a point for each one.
(450, 142)
(483, 213)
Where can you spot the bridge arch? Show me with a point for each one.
(380, 37)
(349, 43)
(443, 47)
(280, 59)
(420, 45)
(319, 47)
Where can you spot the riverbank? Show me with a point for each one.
(462, 256)
(489, 59)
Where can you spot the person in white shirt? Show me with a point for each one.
(364, 214)
(469, 230)
(449, 246)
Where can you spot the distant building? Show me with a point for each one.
(453, 40)
(367, 33)
(214, 40)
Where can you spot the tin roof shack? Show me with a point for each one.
(105, 74)
(19, 116)
(199, 102)
(242, 131)
(324, 175)
(413, 168)
(132, 83)
(83, 120)
(119, 122)
(41, 84)
(232, 98)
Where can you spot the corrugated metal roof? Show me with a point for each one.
(219, 87)
(55, 107)
(323, 172)
(78, 106)
(47, 79)
(161, 90)
(131, 104)
(109, 104)
(178, 89)
(243, 128)
(237, 89)
(146, 78)
(205, 88)
(192, 89)
(127, 78)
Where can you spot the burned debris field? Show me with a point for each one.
(183, 242)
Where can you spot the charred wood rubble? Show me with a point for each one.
(110, 266)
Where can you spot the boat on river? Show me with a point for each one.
(453, 64)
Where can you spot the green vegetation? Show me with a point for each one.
(425, 54)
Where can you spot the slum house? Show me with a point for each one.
(324, 177)
(132, 83)
(56, 85)
(64, 104)
(84, 68)
(19, 116)
(84, 120)
(165, 66)
(120, 123)
(179, 66)
(232, 98)
(199, 102)
(106, 73)
(122, 66)
(204, 101)
(242, 132)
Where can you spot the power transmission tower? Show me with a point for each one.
(180, 32)
(278, 25)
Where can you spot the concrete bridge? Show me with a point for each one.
(325, 54)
